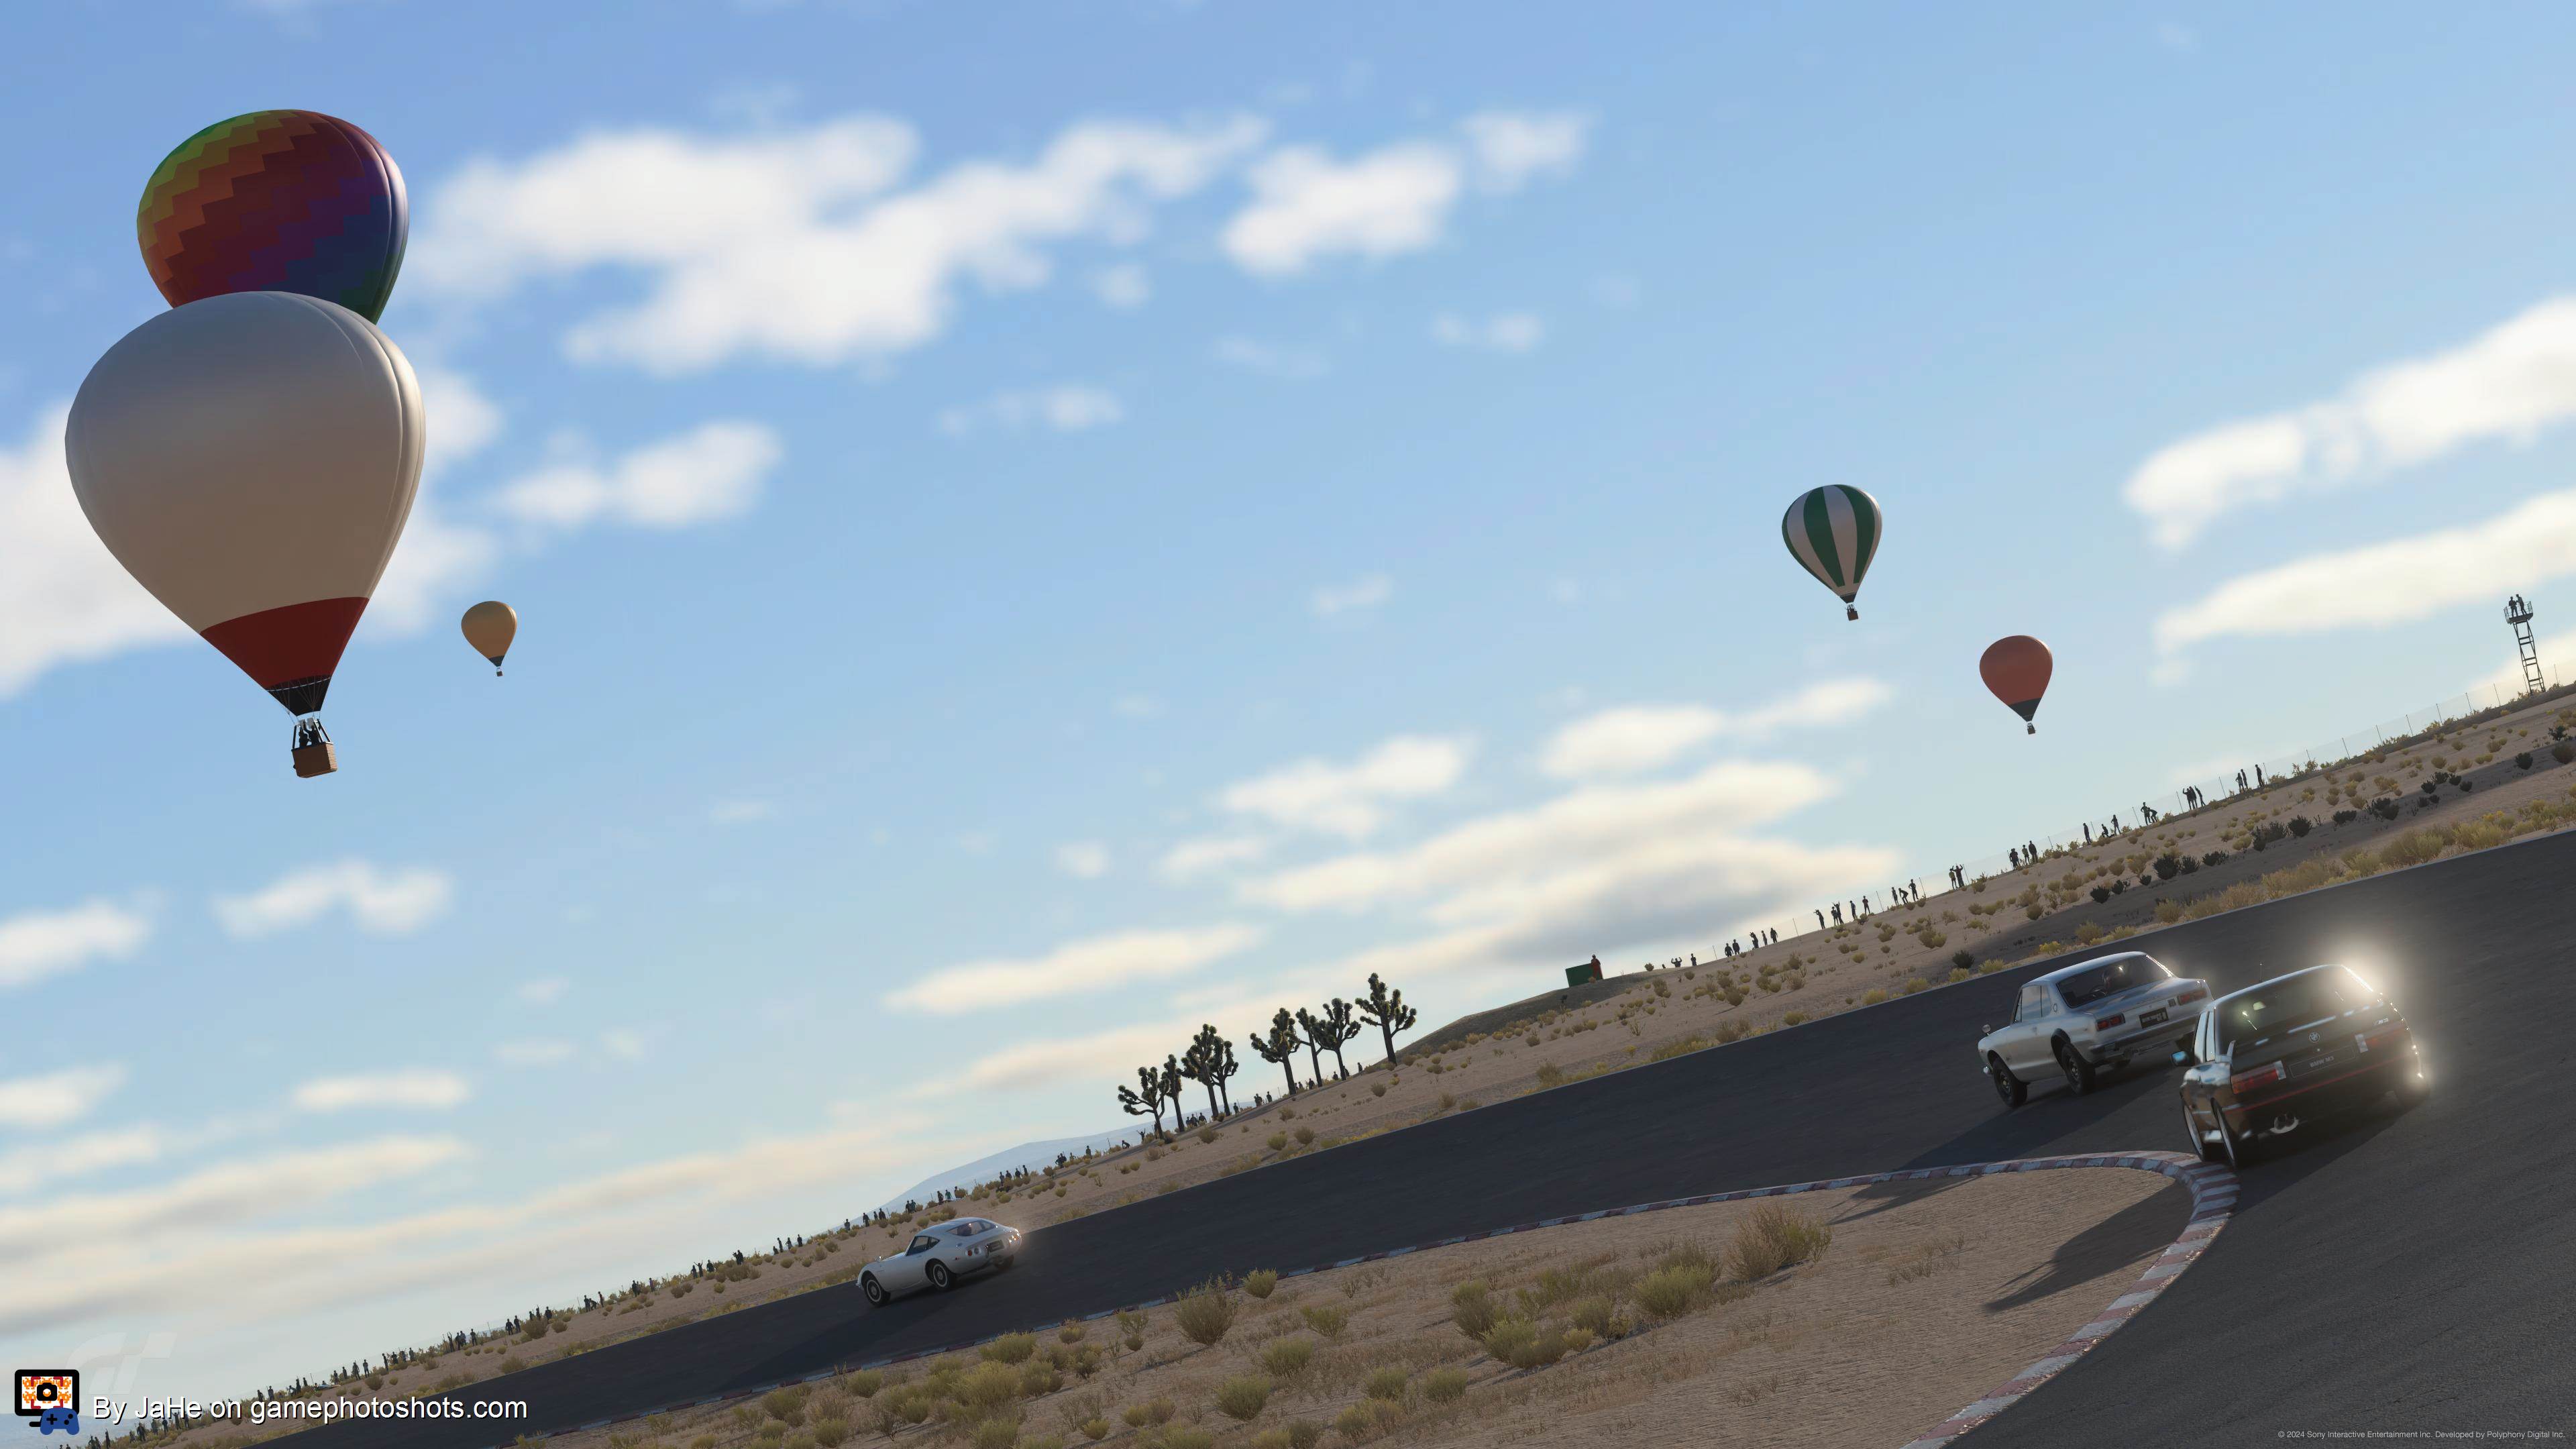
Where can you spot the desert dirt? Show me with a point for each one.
(1639, 1017)
(1928, 1296)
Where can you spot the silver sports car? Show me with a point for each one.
(938, 1256)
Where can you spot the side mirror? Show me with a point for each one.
(2181, 1057)
(1985, 1031)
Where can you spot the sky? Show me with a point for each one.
(1036, 526)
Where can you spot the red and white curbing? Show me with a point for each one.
(2213, 1195)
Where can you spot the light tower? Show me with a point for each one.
(2517, 612)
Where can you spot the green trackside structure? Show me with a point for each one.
(1577, 975)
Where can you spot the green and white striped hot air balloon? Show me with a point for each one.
(1833, 533)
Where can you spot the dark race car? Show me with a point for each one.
(2277, 1056)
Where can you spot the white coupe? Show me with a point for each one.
(938, 1256)
(2089, 1018)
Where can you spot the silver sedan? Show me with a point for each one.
(938, 1256)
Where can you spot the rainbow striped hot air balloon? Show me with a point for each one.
(277, 201)
(1833, 532)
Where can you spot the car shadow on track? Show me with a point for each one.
(2039, 1128)
(2122, 1243)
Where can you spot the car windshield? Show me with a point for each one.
(2249, 1016)
(2110, 979)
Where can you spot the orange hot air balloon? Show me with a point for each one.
(489, 627)
(2017, 670)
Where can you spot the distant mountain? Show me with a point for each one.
(1031, 1155)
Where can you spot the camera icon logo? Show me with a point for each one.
(51, 1397)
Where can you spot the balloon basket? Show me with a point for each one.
(314, 753)
(2030, 729)
(1851, 611)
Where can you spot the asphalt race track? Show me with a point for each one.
(2411, 1271)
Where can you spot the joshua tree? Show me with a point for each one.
(1145, 1097)
(1385, 1009)
(1340, 1026)
(1171, 1084)
(1315, 1044)
(1281, 1045)
(1198, 1064)
(1225, 1065)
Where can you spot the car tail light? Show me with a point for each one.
(2188, 997)
(2393, 1032)
(2260, 1076)
(2108, 1022)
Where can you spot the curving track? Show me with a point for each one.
(2394, 1272)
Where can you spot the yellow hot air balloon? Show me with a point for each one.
(489, 627)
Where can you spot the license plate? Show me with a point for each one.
(2155, 1017)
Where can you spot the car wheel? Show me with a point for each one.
(2240, 1152)
(939, 1277)
(2012, 1089)
(875, 1291)
(2079, 1072)
(2199, 1143)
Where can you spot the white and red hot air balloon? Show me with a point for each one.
(251, 459)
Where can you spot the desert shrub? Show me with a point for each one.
(2300, 825)
(863, 1384)
(1305, 1136)
(1916, 983)
(1551, 1075)
(1010, 1348)
(1387, 1383)
(1471, 1308)
(1278, 1141)
(786, 1405)
(1874, 996)
(1445, 1386)
(1261, 1284)
(2214, 859)
(2035, 911)
(1206, 1312)
(1795, 1018)
(1208, 1133)
(2522, 761)
(1356, 1423)
(1774, 1236)
(1287, 1358)
(1039, 1379)
(1094, 1428)
(2168, 912)
(2563, 751)
(1525, 1345)
(1071, 1333)
(831, 1432)
(1377, 1089)
(1962, 959)
(996, 1434)
(1156, 1410)
(1242, 1398)
(1673, 1290)
(2101, 894)
(1327, 1319)
(1188, 1437)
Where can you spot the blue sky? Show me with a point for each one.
(1039, 525)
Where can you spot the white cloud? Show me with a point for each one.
(1124, 285)
(1192, 859)
(741, 811)
(629, 1044)
(543, 990)
(382, 902)
(1512, 148)
(2509, 384)
(36, 945)
(229, 1193)
(65, 596)
(1290, 364)
(57, 1099)
(2388, 583)
(1083, 859)
(27, 1169)
(1508, 852)
(418, 1088)
(1071, 969)
(1636, 738)
(156, 1252)
(438, 555)
(715, 471)
(1307, 207)
(533, 1052)
(1347, 800)
(798, 244)
(1358, 594)
(1508, 332)
(1065, 408)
